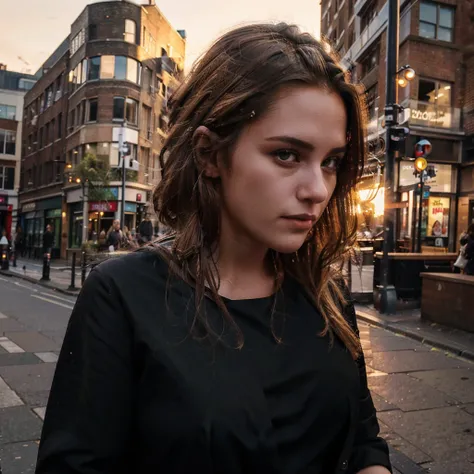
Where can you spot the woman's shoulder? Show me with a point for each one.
(135, 266)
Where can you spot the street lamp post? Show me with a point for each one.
(388, 296)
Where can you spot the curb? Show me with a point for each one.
(50, 286)
(379, 322)
(403, 463)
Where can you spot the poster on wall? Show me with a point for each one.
(438, 217)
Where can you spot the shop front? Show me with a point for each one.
(101, 217)
(438, 205)
(5, 215)
(35, 217)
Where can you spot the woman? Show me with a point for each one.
(230, 347)
(467, 242)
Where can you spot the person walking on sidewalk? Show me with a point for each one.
(231, 346)
(146, 230)
(115, 238)
(467, 241)
(48, 240)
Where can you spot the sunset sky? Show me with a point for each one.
(33, 29)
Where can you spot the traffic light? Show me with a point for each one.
(423, 148)
(126, 149)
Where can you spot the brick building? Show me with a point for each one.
(112, 76)
(13, 86)
(436, 40)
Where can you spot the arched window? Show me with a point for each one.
(130, 35)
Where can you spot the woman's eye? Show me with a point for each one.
(286, 156)
(332, 163)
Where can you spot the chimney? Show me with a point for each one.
(3, 67)
(152, 2)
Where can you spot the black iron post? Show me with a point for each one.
(83, 265)
(72, 286)
(46, 266)
(388, 296)
(420, 212)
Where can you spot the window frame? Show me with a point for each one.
(88, 114)
(127, 35)
(437, 25)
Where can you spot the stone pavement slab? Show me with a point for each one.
(19, 457)
(469, 408)
(10, 325)
(19, 424)
(411, 361)
(24, 358)
(8, 398)
(30, 382)
(32, 341)
(408, 393)
(450, 468)
(443, 433)
(396, 343)
(459, 383)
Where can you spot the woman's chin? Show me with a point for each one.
(291, 245)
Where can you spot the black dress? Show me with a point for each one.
(135, 393)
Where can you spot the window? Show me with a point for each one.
(163, 52)
(7, 177)
(131, 113)
(78, 41)
(436, 21)
(92, 114)
(119, 108)
(434, 92)
(60, 125)
(94, 68)
(84, 71)
(370, 59)
(367, 16)
(130, 31)
(92, 32)
(133, 71)
(126, 108)
(26, 84)
(7, 142)
(107, 67)
(7, 112)
(120, 68)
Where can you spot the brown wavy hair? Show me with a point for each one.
(233, 82)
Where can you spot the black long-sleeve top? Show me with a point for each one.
(135, 393)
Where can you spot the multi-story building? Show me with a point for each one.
(436, 40)
(13, 86)
(112, 76)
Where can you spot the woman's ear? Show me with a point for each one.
(204, 144)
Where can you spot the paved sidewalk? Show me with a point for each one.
(410, 324)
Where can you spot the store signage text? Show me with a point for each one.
(103, 206)
(31, 206)
(426, 116)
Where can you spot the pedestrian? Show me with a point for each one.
(48, 240)
(146, 229)
(467, 243)
(231, 346)
(115, 237)
(19, 242)
(102, 241)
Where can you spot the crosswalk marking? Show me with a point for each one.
(57, 297)
(52, 301)
(49, 357)
(40, 411)
(8, 398)
(10, 346)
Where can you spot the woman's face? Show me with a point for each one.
(283, 169)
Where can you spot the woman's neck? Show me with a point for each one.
(243, 267)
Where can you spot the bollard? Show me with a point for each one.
(72, 286)
(5, 262)
(46, 267)
(83, 265)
